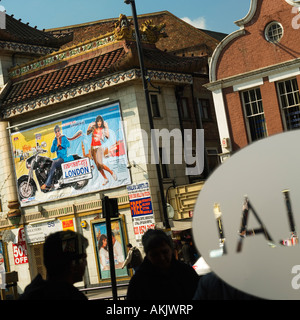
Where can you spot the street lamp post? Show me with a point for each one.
(145, 85)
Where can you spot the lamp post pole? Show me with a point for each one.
(146, 91)
(107, 212)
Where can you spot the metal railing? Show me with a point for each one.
(100, 288)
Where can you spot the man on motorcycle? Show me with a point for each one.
(60, 145)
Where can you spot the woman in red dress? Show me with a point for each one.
(99, 130)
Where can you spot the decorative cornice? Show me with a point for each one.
(79, 209)
(241, 23)
(61, 55)
(123, 31)
(293, 3)
(27, 48)
(254, 74)
(92, 86)
(215, 57)
(253, 6)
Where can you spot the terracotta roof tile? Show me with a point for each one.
(74, 72)
(58, 79)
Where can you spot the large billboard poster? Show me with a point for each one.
(75, 155)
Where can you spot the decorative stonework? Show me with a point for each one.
(27, 48)
(151, 32)
(84, 208)
(92, 86)
(123, 30)
(61, 56)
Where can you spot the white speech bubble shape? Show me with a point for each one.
(267, 173)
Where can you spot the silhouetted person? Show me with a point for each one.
(65, 262)
(211, 287)
(134, 258)
(161, 276)
(187, 253)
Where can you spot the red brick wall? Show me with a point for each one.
(251, 51)
(271, 107)
(236, 119)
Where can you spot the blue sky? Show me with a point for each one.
(217, 15)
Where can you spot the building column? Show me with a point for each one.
(222, 120)
(8, 188)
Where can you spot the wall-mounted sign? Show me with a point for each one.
(20, 248)
(39, 231)
(68, 224)
(141, 208)
(247, 218)
(72, 156)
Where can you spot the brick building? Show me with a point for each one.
(67, 78)
(255, 77)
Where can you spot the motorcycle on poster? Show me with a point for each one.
(76, 155)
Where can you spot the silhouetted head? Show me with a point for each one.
(65, 255)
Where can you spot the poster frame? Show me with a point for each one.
(13, 129)
(123, 237)
(4, 251)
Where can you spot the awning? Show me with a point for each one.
(181, 225)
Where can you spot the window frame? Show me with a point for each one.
(247, 117)
(155, 106)
(212, 153)
(207, 108)
(286, 95)
(184, 116)
(268, 28)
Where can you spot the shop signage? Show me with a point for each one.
(38, 232)
(141, 208)
(20, 249)
(68, 224)
(20, 253)
(247, 218)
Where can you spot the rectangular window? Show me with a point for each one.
(155, 105)
(185, 111)
(254, 112)
(213, 159)
(290, 103)
(204, 109)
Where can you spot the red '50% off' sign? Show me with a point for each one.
(20, 249)
(20, 253)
